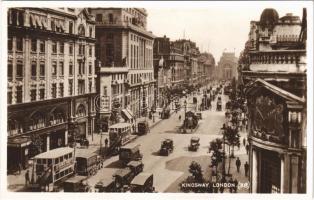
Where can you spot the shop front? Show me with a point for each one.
(18, 148)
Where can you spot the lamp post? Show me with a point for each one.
(184, 122)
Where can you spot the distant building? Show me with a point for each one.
(125, 51)
(273, 71)
(227, 66)
(206, 63)
(51, 79)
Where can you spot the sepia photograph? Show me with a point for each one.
(124, 98)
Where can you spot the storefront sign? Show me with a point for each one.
(104, 103)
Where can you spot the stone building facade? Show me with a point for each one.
(273, 71)
(51, 79)
(227, 66)
(125, 50)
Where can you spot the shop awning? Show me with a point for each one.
(19, 142)
(128, 114)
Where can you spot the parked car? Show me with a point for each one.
(194, 144)
(130, 152)
(166, 147)
(143, 183)
(76, 184)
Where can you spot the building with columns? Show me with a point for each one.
(273, 70)
(51, 79)
(227, 66)
(125, 50)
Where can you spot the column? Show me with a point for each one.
(254, 177)
(294, 174)
(66, 138)
(48, 142)
(282, 174)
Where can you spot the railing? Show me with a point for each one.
(283, 57)
(269, 137)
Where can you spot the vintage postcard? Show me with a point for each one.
(122, 97)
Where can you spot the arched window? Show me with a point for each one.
(80, 112)
(57, 116)
(81, 30)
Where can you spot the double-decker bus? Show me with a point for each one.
(52, 167)
(119, 134)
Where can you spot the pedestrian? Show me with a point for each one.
(235, 185)
(106, 142)
(247, 149)
(27, 178)
(244, 141)
(231, 185)
(179, 117)
(238, 164)
(221, 188)
(239, 145)
(246, 168)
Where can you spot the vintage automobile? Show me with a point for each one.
(136, 166)
(106, 184)
(130, 152)
(123, 177)
(166, 147)
(143, 183)
(199, 115)
(87, 162)
(142, 127)
(194, 144)
(76, 184)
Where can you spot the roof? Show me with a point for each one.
(130, 146)
(120, 125)
(84, 153)
(195, 138)
(122, 172)
(76, 179)
(141, 178)
(283, 93)
(134, 163)
(55, 153)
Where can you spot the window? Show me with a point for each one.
(19, 69)
(110, 17)
(81, 68)
(54, 68)
(81, 87)
(71, 27)
(109, 50)
(34, 70)
(42, 69)
(90, 51)
(90, 32)
(81, 30)
(34, 45)
(61, 90)
(90, 83)
(98, 17)
(42, 94)
(71, 49)
(71, 69)
(90, 70)
(19, 44)
(81, 49)
(105, 90)
(42, 46)
(53, 25)
(19, 94)
(54, 90)
(10, 70)
(61, 66)
(10, 44)
(33, 94)
(54, 47)
(70, 87)
(61, 50)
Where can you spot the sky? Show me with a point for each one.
(214, 27)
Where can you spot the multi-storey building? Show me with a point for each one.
(125, 48)
(274, 74)
(206, 63)
(169, 68)
(227, 66)
(51, 79)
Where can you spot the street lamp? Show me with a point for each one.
(184, 122)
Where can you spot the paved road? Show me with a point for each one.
(164, 175)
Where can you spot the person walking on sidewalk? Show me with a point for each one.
(106, 142)
(246, 168)
(235, 185)
(27, 178)
(179, 117)
(247, 149)
(238, 164)
(20, 168)
(244, 141)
